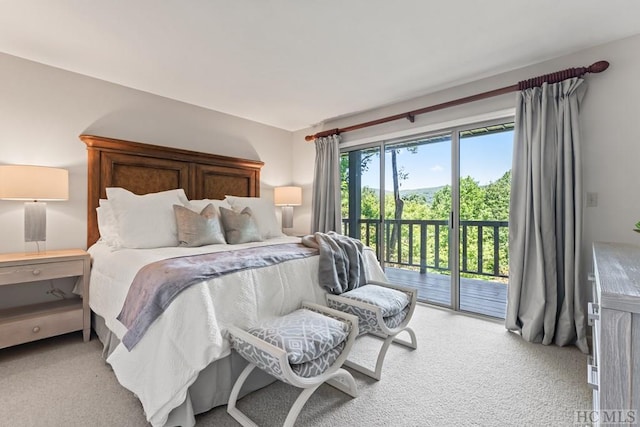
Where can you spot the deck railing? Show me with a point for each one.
(423, 244)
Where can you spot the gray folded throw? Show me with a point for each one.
(341, 262)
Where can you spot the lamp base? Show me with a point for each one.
(287, 216)
(35, 226)
(36, 247)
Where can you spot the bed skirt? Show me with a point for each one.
(211, 388)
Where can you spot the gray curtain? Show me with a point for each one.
(545, 296)
(325, 214)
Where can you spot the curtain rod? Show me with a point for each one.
(556, 77)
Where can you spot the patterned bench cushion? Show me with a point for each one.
(395, 320)
(390, 301)
(317, 366)
(304, 334)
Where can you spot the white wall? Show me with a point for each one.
(304, 154)
(43, 110)
(610, 135)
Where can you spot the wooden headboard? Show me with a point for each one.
(145, 168)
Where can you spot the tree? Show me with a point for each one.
(398, 175)
(399, 203)
(496, 198)
(365, 159)
(478, 203)
(365, 210)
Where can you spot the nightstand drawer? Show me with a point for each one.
(40, 271)
(30, 323)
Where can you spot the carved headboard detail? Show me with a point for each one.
(145, 168)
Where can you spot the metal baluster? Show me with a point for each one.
(480, 248)
(496, 250)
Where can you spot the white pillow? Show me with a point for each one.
(146, 221)
(264, 213)
(107, 225)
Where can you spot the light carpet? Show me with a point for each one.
(466, 371)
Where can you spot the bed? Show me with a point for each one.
(182, 365)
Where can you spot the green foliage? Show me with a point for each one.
(477, 203)
(496, 198)
(370, 203)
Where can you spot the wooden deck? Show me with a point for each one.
(476, 296)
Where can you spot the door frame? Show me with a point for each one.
(454, 214)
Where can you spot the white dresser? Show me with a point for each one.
(614, 368)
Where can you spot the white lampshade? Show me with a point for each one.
(287, 196)
(34, 184)
(19, 182)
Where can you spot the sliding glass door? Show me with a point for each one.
(484, 187)
(417, 214)
(408, 204)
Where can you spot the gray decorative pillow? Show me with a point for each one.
(239, 227)
(198, 229)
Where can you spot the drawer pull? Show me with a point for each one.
(592, 374)
(36, 329)
(593, 313)
(36, 272)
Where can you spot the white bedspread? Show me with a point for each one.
(191, 333)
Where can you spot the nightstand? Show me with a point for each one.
(36, 321)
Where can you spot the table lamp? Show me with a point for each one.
(287, 197)
(35, 184)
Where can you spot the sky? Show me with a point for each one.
(485, 158)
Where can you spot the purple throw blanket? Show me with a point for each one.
(157, 284)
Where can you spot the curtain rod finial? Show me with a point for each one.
(309, 138)
(598, 67)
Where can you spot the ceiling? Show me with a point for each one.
(295, 63)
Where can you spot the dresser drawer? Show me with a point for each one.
(39, 321)
(40, 271)
(593, 379)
